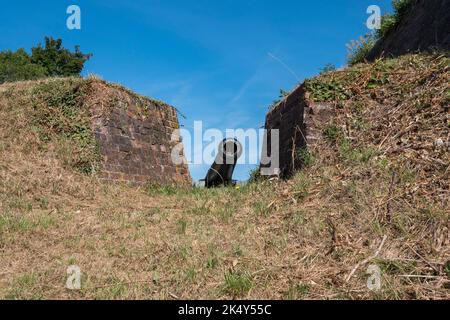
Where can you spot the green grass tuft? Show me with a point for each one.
(237, 284)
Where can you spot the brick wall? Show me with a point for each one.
(300, 122)
(134, 137)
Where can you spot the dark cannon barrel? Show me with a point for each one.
(221, 171)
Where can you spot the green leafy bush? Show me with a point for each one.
(17, 65)
(326, 90)
(50, 61)
(57, 60)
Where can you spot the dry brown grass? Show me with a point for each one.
(300, 239)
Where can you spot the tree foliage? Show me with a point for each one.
(53, 60)
(17, 65)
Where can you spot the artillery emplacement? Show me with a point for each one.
(221, 171)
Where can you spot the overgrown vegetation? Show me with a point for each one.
(374, 191)
(58, 109)
(55, 117)
(15, 66)
(358, 49)
(328, 90)
(53, 60)
(55, 113)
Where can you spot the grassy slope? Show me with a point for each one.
(378, 174)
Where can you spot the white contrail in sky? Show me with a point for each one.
(283, 64)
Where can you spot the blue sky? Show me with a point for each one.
(216, 61)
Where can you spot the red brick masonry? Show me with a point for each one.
(134, 137)
(300, 123)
